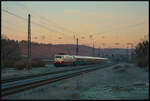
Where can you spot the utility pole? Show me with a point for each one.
(131, 49)
(77, 48)
(93, 48)
(132, 52)
(29, 42)
(99, 52)
(127, 53)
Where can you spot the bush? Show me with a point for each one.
(142, 54)
(142, 62)
(9, 63)
(21, 64)
(37, 63)
(10, 49)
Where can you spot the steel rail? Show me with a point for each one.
(41, 74)
(20, 88)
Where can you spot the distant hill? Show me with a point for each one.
(48, 50)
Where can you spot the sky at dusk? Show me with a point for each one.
(104, 23)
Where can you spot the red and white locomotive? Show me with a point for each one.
(64, 60)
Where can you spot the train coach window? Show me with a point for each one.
(58, 57)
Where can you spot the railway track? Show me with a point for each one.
(42, 74)
(23, 87)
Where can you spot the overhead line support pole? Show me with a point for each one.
(29, 41)
(77, 48)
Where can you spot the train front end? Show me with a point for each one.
(59, 60)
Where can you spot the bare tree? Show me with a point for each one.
(9, 49)
(142, 53)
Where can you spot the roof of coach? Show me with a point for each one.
(63, 55)
(82, 57)
(88, 57)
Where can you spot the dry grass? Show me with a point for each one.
(9, 63)
(142, 62)
(119, 88)
(37, 63)
(139, 85)
(23, 63)
(75, 96)
(117, 67)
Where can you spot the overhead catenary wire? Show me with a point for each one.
(40, 25)
(120, 28)
(59, 26)
(56, 25)
(20, 17)
(45, 19)
(35, 23)
(43, 26)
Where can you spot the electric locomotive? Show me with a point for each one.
(66, 60)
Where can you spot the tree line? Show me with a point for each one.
(142, 54)
(11, 55)
(11, 52)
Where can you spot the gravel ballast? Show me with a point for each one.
(117, 82)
